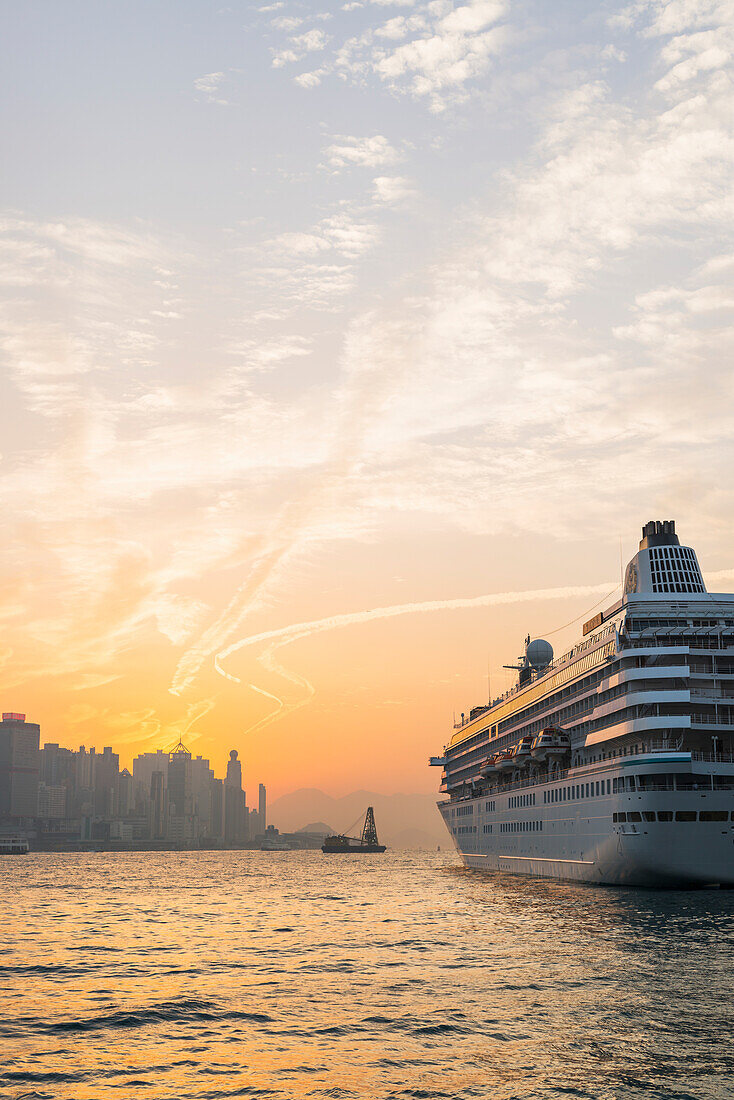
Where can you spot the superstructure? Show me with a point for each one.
(613, 763)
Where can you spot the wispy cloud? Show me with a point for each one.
(367, 152)
(210, 87)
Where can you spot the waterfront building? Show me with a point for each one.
(51, 802)
(19, 766)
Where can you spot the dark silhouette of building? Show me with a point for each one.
(216, 827)
(19, 766)
(234, 802)
(157, 806)
(180, 802)
(262, 808)
(105, 781)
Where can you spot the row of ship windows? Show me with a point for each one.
(521, 827)
(666, 781)
(521, 800)
(578, 790)
(668, 815)
(666, 582)
(463, 829)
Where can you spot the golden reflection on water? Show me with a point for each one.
(288, 975)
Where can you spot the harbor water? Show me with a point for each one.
(290, 974)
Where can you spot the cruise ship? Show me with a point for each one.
(611, 764)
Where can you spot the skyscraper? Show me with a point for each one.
(19, 766)
(157, 807)
(262, 807)
(180, 800)
(105, 782)
(234, 802)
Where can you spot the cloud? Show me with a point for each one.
(431, 54)
(368, 152)
(268, 354)
(392, 190)
(209, 86)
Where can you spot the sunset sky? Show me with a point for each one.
(311, 309)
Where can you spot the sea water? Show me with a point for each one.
(293, 974)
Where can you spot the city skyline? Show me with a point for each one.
(344, 345)
(66, 798)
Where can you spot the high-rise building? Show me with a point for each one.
(125, 799)
(105, 782)
(158, 815)
(19, 766)
(262, 807)
(180, 797)
(83, 801)
(143, 767)
(51, 802)
(57, 772)
(57, 766)
(234, 802)
(201, 791)
(216, 825)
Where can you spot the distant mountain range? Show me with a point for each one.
(403, 820)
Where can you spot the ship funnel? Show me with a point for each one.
(662, 566)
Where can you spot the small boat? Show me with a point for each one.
(14, 845)
(342, 844)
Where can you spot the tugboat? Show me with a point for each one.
(368, 842)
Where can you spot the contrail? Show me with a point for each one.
(275, 639)
(287, 634)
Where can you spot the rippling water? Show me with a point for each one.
(292, 975)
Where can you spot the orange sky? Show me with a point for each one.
(336, 310)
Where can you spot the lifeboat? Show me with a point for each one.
(487, 766)
(551, 743)
(522, 751)
(505, 760)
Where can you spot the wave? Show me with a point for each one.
(185, 1011)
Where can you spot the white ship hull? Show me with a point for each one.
(582, 839)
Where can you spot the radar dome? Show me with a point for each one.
(539, 653)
